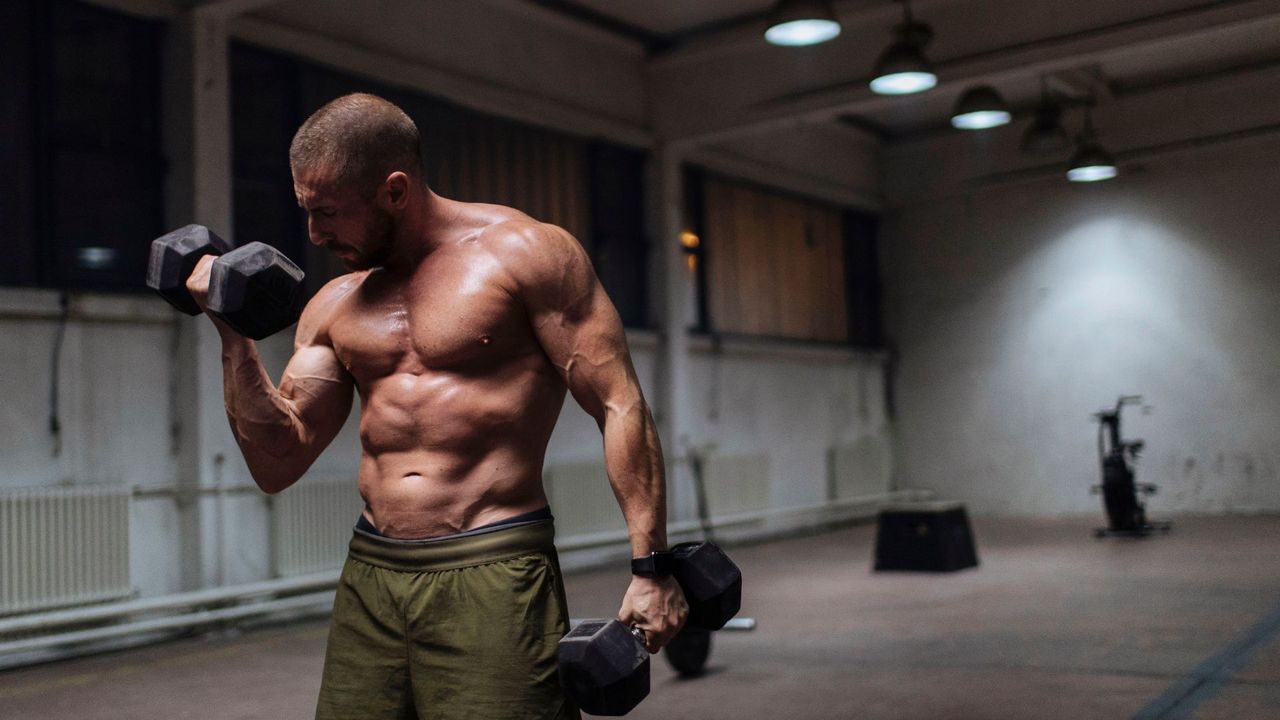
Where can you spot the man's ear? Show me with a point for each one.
(395, 191)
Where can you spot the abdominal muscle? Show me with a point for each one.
(444, 455)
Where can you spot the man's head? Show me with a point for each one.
(355, 161)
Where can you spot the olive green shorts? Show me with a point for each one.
(459, 627)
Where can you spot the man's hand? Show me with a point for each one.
(198, 286)
(198, 281)
(656, 606)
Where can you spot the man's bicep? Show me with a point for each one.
(574, 320)
(588, 346)
(319, 391)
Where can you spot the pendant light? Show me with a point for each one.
(980, 108)
(902, 68)
(1091, 162)
(801, 22)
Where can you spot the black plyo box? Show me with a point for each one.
(926, 537)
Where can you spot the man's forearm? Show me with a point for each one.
(633, 459)
(261, 420)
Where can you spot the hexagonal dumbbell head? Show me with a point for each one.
(603, 667)
(256, 290)
(174, 256)
(712, 584)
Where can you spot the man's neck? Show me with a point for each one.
(421, 231)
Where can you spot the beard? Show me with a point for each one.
(378, 235)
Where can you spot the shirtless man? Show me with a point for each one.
(461, 325)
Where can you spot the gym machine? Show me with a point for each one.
(1126, 515)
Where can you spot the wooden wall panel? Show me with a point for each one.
(775, 264)
(535, 171)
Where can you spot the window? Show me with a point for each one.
(17, 132)
(782, 266)
(264, 115)
(99, 162)
(618, 245)
(80, 143)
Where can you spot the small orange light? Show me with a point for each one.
(689, 239)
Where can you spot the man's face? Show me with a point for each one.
(344, 222)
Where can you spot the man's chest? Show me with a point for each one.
(463, 322)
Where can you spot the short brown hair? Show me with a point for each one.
(359, 139)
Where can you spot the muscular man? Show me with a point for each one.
(461, 325)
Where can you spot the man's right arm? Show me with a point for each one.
(282, 430)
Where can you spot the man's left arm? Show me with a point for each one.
(581, 333)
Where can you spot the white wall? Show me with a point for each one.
(113, 352)
(1017, 309)
(123, 393)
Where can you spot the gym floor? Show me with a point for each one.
(1053, 624)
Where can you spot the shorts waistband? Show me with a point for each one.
(455, 551)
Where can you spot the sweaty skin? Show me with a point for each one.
(461, 326)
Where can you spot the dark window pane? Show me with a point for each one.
(617, 227)
(17, 135)
(264, 116)
(100, 148)
(862, 278)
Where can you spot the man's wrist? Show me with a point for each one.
(657, 564)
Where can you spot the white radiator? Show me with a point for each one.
(311, 525)
(736, 483)
(582, 499)
(859, 468)
(63, 547)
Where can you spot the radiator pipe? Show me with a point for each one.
(318, 602)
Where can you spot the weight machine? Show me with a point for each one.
(1126, 515)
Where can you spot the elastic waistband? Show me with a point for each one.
(455, 551)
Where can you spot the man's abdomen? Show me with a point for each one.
(444, 453)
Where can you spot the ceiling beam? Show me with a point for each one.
(1114, 92)
(608, 23)
(476, 92)
(583, 22)
(1030, 59)
(227, 9)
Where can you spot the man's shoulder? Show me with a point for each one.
(528, 248)
(325, 305)
(545, 266)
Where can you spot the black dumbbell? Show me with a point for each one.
(688, 651)
(604, 666)
(254, 289)
(712, 584)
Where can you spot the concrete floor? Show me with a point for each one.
(1054, 624)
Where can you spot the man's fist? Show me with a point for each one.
(655, 606)
(198, 281)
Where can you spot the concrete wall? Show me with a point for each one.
(1020, 307)
(113, 353)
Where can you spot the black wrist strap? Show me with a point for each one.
(655, 565)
